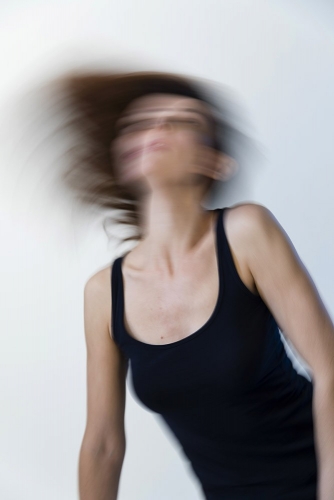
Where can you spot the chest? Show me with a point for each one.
(159, 310)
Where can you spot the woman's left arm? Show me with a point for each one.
(290, 293)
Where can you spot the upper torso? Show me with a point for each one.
(219, 377)
(179, 306)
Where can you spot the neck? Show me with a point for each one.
(174, 228)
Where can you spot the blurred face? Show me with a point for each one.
(163, 139)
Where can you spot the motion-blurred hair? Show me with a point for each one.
(92, 102)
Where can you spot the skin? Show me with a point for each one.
(178, 251)
(174, 269)
(170, 178)
(176, 260)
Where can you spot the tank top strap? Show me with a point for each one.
(225, 254)
(220, 238)
(115, 298)
(231, 277)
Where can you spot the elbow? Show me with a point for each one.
(105, 450)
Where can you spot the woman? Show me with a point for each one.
(195, 306)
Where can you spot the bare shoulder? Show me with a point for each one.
(246, 222)
(245, 215)
(98, 293)
(254, 230)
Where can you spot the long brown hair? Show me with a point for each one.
(93, 102)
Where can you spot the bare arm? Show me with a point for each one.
(289, 291)
(103, 446)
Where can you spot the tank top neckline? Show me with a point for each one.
(218, 252)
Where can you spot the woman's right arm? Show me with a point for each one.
(103, 445)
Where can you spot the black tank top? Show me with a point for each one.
(229, 393)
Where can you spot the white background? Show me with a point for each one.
(277, 56)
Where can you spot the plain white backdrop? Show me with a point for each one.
(277, 56)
